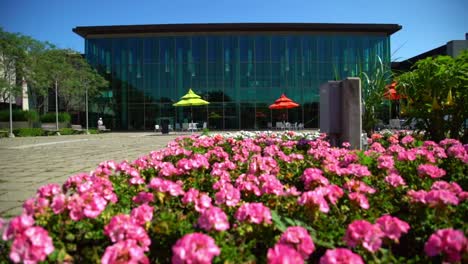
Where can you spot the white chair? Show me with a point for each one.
(269, 126)
(156, 128)
(185, 126)
(170, 127)
(279, 125)
(300, 126)
(288, 125)
(177, 126)
(395, 124)
(205, 125)
(193, 127)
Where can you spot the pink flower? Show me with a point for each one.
(360, 199)
(385, 162)
(443, 185)
(255, 213)
(417, 196)
(298, 238)
(194, 248)
(142, 214)
(122, 227)
(167, 169)
(313, 176)
(49, 190)
(281, 254)
(333, 193)
(213, 218)
(340, 256)
(127, 251)
(32, 246)
(166, 186)
(271, 185)
(358, 186)
(407, 140)
(357, 170)
(440, 197)
(361, 232)
(430, 170)
(314, 199)
(202, 203)
(395, 180)
(449, 242)
(190, 196)
(143, 197)
(17, 226)
(392, 227)
(377, 147)
(59, 203)
(228, 195)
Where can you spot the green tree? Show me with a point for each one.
(82, 78)
(437, 95)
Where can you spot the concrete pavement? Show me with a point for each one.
(28, 163)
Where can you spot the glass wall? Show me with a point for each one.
(240, 75)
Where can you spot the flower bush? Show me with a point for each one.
(255, 197)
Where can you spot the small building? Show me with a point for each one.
(451, 48)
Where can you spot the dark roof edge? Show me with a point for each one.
(236, 27)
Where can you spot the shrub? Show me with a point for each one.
(50, 118)
(68, 131)
(19, 115)
(256, 199)
(93, 131)
(28, 132)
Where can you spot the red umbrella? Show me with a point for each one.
(391, 93)
(283, 103)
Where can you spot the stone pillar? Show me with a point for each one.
(330, 111)
(352, 112)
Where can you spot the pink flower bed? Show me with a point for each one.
(268, 198)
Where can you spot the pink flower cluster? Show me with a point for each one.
(92, 195)
(369, 236)
(441, 194)
(255, 213)
(341, 256)
(316, 198)
(195, 248)
(166, 186)
(282, 253)
(357, 192)
(129, 237)
(431, 171)
(299, 238)
(31, 244)
(213, 218)
(202, 201)
(448, 242)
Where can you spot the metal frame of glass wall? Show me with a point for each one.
(240, 75)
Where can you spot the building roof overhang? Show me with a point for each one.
(93, 31)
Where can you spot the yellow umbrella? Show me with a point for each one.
(191, 99)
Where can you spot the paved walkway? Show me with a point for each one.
(28, 163)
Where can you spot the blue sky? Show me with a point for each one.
(427, 24)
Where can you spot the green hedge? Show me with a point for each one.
(69, 131)
(19, 115)
(28, 132)
(50, 118)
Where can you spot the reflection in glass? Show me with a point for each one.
(239, 74)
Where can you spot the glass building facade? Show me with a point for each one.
(239, 73)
